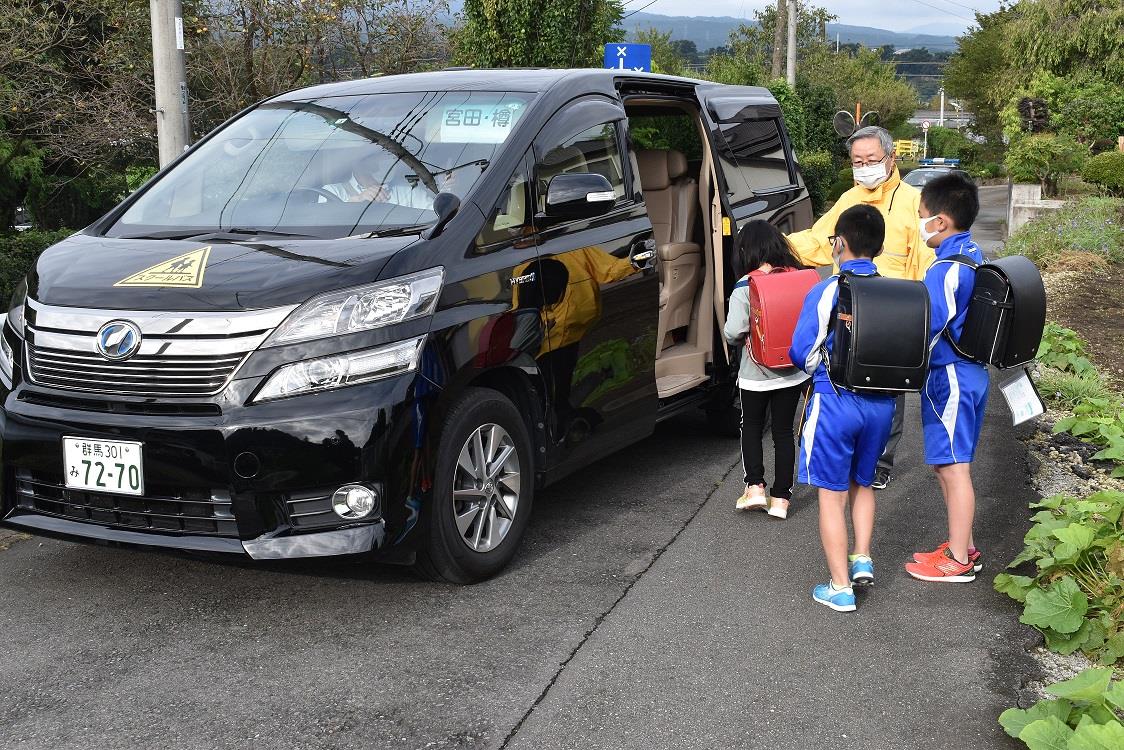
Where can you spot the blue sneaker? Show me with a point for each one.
(862, 569)
(841, 600)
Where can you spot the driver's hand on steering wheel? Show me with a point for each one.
(378, 193)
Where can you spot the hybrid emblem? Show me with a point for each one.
(118, 339)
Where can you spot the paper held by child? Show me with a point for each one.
(1022, 398)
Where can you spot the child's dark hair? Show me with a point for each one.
(954, 196)
(759, 242)
(863, 228)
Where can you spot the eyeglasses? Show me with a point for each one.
(858, 164)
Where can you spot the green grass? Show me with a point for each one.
(1068, 389)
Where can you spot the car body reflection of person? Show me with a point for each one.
(568, 296)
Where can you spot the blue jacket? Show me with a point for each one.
(813, 328)
(950, 287)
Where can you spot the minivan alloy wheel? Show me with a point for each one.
(486, 484)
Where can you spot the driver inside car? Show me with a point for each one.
(375, 180)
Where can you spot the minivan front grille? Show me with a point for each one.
(139, 376)
(185, 354)
(187, 512)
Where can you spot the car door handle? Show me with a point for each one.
(643, 254)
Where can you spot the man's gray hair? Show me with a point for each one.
(873, 131)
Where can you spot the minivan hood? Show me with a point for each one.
(109, 273)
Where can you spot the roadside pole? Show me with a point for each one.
(940, 120)
(173, 129)
(792, 43)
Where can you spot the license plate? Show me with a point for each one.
(103, 465)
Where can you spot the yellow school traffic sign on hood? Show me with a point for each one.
(183, 271)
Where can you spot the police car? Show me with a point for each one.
(373, 317)
(929, 169)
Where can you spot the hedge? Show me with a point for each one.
(18, 251)
(819, 172)
(1106, 170)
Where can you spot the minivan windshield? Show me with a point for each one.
(329, 167)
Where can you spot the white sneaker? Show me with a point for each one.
(754, 498)
(778, 507)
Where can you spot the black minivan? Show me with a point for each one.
(374, 316)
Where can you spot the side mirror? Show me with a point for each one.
(445, 205)
(578, 195)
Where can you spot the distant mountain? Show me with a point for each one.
(713, 31)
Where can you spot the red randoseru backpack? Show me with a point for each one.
(775, 299)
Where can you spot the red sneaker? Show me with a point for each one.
(943, 568)
(974, 556)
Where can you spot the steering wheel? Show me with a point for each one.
(330, 197)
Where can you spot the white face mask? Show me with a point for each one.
(870, 176)
(925, 234)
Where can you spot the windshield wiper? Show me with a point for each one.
(399, 231)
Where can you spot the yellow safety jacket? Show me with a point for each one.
(904, 255)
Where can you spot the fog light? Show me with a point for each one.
(354, 501)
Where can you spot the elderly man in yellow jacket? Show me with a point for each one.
(904, 254)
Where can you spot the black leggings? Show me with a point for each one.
(782, 402)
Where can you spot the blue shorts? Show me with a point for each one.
(952, 411)
(843, 436)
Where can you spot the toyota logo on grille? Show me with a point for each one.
(118, 339)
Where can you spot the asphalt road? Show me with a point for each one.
(642, 612)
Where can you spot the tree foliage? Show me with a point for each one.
(536, 33)
(1044, 158)
(861, 78)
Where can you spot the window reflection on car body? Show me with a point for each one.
(195, 234)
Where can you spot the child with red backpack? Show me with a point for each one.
(763, 250)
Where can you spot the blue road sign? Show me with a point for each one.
(629, 57)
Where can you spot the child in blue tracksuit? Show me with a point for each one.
(955, 393)
(844, 432)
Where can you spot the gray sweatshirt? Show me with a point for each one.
(752, 376)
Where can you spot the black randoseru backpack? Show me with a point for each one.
(1006, 315)
(881, 331)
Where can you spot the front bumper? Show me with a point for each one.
(302, 449)
(351, 541)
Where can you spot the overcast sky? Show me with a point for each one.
(927, 16)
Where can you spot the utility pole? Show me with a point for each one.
(940, 120)
(778, 38)
(173, 129)
(792, 43)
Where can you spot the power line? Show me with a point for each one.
(944, 10)
(642, 7)
(962, 5)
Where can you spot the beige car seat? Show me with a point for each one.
(672, 200)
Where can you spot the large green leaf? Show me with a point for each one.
(1014, 720)
(1089, 685)
(1046, 734)
(1077, 534)
(1115, 695)
(1062, 606)
(1090, 736)
(1013, 586)
(1067, 643)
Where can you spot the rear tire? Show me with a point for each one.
(483, 490)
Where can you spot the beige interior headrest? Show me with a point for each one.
(659, 167)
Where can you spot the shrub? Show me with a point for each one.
(818, 171)
(1106, 170)
(1083, 715)
(1091, 225)
(1043, 158)
(18, 252)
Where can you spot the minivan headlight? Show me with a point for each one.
(336, 371)
(362, 308)
(15, 308)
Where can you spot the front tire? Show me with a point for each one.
(482, 492)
